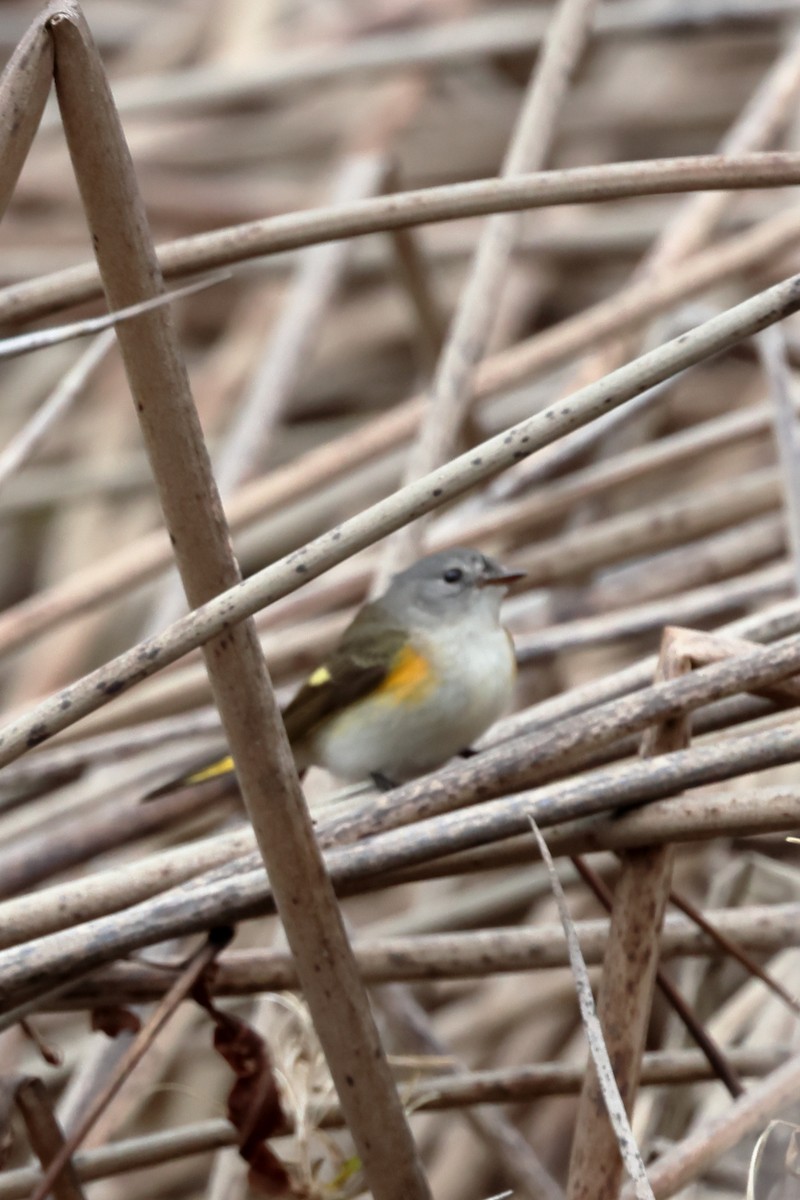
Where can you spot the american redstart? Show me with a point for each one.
(417, 675)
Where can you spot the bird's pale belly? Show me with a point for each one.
(403, 737)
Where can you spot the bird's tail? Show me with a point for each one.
(220, 768)
(214, 770)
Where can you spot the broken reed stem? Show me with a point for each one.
(238, 675)
(24, 88)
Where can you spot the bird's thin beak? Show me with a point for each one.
(503, 580)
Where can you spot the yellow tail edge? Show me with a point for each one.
(223, 766)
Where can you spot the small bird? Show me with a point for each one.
(417, 675)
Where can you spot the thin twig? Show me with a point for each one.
(138, 1048)
(717, 1061)
(615, 1107)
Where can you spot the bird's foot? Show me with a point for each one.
(382, 782)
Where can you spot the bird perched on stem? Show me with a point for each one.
(417, 675)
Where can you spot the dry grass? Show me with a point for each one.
(604, 417)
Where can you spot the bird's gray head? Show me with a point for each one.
(448, 585)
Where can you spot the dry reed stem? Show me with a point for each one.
(600, 1065)
(36, 967)
(317, 278)
(776, 368)
(520, 1166)
(61, 843)
(46, 1137)
(692, 224)
(446, 956)
(735, 951)
(688, 1158)
(768, 109)
(238, 675)
(482, 1087)
(629, 971)
(713, 1054)
(413, 500)
(362, 173)
(448, 403)
(274, 235)
(779, 621)
(219, 165)
(151, 554)
(561, 495)
(695, 818)
(24, 88)
(690, 606)
(179, 990)
(478, 36)
(59, 401)
(416, 277)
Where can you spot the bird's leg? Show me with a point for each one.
(382, 782)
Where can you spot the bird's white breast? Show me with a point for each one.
(474, 673)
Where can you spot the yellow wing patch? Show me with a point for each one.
(318, 677)
(411, 674)
(223, 766)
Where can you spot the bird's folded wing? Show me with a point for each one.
(359, 664)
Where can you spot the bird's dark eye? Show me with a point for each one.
(453, 575)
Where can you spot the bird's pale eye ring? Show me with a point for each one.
(453, 575)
